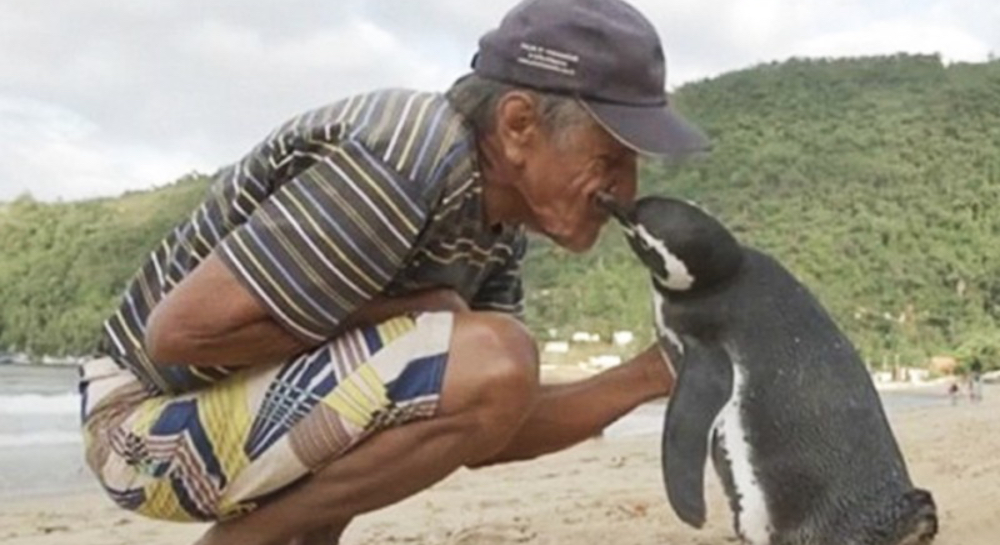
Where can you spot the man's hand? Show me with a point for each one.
(658, 366)
(442, 299)
(382, 308)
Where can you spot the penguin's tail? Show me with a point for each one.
(915, 516)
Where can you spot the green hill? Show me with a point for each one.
(876, 180)
(65, 265)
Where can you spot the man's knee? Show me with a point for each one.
(492, 370)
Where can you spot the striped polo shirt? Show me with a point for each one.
(376, 194)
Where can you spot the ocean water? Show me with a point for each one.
(41, 450)
(648, 418)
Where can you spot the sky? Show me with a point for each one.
(98, 97)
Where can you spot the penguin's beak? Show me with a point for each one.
(613, 207)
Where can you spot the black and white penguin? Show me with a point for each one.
(769, 386)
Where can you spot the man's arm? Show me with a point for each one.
(210, 318)
(310, 261)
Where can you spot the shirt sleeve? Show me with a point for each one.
(327, 240)
(503, 290)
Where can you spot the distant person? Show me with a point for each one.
(335, 327)
(976, 380)
(953, 392)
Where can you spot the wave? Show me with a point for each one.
(23, 404)
(40, 438)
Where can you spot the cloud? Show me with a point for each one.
(123, 96)
(704, 39)
(891, 37)
(100, 95)
(53, 153)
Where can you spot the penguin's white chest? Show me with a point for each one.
(662, 329)
(753, 520)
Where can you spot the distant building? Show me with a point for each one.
(882, 377)
(913, 374)
(943, 365)
(556, 347)
(604, 361)
(622, 338)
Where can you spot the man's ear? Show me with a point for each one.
(518, 124)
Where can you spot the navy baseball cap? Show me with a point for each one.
(603, 52)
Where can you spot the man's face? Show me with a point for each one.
(561, 178)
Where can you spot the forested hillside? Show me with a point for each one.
(876, 180)
(64, 266)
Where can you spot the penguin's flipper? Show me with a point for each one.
(703, 388)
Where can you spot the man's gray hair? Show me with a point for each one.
(476, 98)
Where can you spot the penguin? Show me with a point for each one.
(769, 387)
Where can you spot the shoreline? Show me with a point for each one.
(603, 490)
(556, 373)
(46, 449)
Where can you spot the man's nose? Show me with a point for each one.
(626, 185)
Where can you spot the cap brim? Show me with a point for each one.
(651, 130)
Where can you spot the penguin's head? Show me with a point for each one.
(684, 247)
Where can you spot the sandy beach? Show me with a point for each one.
(607, 490)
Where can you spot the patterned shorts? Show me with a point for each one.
(219, 452)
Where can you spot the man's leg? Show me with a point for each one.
(327, 535)
(566, 414)
(490, 360)
(490, 383)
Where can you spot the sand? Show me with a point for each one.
(603, 491)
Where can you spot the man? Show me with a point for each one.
(334, 328)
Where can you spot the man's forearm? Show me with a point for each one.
(257, 343)
(566, 413)
(266, 341)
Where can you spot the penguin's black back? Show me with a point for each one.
(822, 447)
